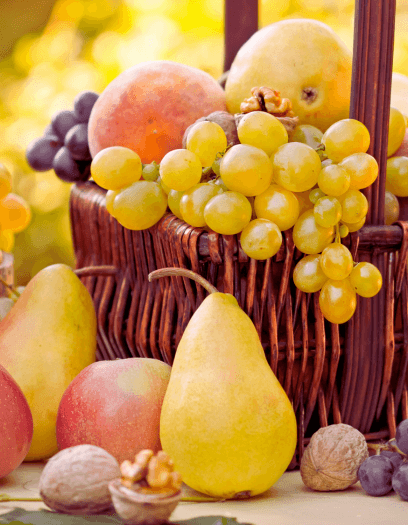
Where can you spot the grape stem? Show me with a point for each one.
(182, 272)
(10, 287)
(337, 238)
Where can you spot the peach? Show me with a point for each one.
(148, 107)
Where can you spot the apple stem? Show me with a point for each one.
(10, 287)
(88, 271)
(182, 272)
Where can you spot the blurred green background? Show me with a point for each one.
(52, 50)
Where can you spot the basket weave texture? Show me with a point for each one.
(328, 374)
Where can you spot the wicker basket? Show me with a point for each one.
(353, 373)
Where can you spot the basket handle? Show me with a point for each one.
(402, 258)
(97, 271)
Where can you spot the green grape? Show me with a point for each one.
(173, 202)
(308, 275)
(316, 194)
(327, 211)
(336, 261)
(277, 205)
(391, 208)
(309, 237)
(228, 213)
(354, 206)
(7, 239)
(296, 166)
(219, 182)
(163, 186)
(116, 167)
(110, 197)
(140, 205)
(344, 230)
(327, 162)
(151, 171)
(334, 180)
(262, 130)
(366, 279)
(193, 202)
(304, 201)
(307, 134)
(216, 165)
(397, 176)
(337, 301)
(261, 239)
(5, 181)
(345, 137)
(396, 131)
(363, 170)
(206, 139)
(355, 226)
(180, 169)
(246, 169)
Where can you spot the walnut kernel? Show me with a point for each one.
(332, 458)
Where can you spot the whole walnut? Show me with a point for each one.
(222, 118)
(332, 458)
(76, 479)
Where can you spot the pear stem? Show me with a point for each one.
(182, 272)
(10, 287)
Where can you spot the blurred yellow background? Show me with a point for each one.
(50, 51)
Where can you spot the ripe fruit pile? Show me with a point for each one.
(388, 469)
(64, 145)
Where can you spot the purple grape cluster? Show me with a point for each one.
(380, 474)
(64, 144)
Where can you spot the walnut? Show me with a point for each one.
(76, 479)
(332, 458)
(267, 99)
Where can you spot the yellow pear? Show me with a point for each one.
(399, 93)
(226, 421)
(303, 59)
(46, 339)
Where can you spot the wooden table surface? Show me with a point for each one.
(289, 502)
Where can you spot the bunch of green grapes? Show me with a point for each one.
(15, 212)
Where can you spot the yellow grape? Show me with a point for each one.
(336, 261)
(355, 226)
(262, 130)
(219, 182)
(180, 169)
(296, 166)
(228, 213)
(140, 205)
(15, 213)
(308, 275)
(206, 139)
(5, 181)
(173, 202)
(327, 162)
(344, 230)
(163, 186)
(354, 206)
(277, 205)
(307, 134)
(396, 131)
(116, 167)
(304, 201)
(246, 169)
(397, 176)
(315, 194)
(327, 211)
(391, 208)
(337, 301)
(309, 237)
(109, 198)
(261, 239)
(334, 180)
(366, 279)
(363, 170)
(6, 241)
(345, 137)
(194, 200)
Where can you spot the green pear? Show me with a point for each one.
(46, 339)
(226, 421)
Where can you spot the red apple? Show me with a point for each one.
(114, 405)
(16, 424)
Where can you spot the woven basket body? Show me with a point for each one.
(326, 371)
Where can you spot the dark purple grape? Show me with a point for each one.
(66, 168)
(40, 152)
(375, 475)
(400, 481)
(401, 436)
(83, 104)
(85, 169)
(76, 140)
(394, 457)
(48, 130)
(62, 122)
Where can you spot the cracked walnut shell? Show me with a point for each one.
(332, 458)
